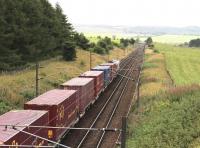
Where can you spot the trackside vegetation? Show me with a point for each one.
(17, 88)
(169, 111)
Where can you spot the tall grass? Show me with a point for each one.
(15, 89)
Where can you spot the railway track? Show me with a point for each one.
(108, 109)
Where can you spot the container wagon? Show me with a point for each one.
(62, 106)
(107, 73)
(98, 80)
(85, 90)
(113, 69)
(10, 136)
(117, 62)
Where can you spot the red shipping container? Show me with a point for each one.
(62, 106)
(10, 136)
(113, 69)
(98, 80)
(85, 88)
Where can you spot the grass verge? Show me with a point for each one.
(168, 115)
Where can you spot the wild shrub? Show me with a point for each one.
(156, 51)
(4, 106)
(28, 94)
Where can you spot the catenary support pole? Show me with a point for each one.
(90, 59)
(37, 79)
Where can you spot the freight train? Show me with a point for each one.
(61, 107)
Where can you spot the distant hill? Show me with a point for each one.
(143, 30)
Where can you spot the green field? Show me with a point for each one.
(182, 63)
(95, 39)
(172, 39)
(169, 111)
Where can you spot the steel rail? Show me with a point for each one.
(97, 117)
(131, 104)
(111, 117)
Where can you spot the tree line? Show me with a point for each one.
(103, 44)
(33, 30)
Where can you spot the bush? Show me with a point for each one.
(28, 94)
(4, 106)
(99, 50)
(156, 51)
(82, 63)
(194, 43)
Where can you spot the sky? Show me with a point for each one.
(174, 13)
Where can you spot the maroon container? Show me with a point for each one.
(113, 69)
(9, 136)
(85, 88)
(98, 80)
(62, 106)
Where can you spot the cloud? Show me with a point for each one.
(132, 12)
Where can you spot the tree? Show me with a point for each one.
(149, 41)
(82, 41)
(124, 42)
(69, 52)
(194, 43)
(31, 30)
(99, 50)
(132, 41)
(67, 36)
(105, 44)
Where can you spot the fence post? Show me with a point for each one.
(123, 135)
(138, 94)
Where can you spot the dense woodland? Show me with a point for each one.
(32, 30)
